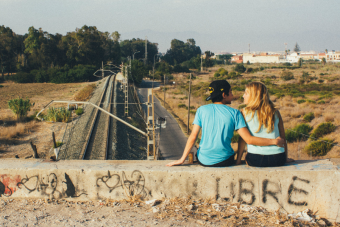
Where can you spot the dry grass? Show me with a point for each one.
(318, 113)
(297, 112)
(85, 93)
(329, 117)
(19, 129)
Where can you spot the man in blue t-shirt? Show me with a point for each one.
(218, 123)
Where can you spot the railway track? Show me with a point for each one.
(97, 140)
(98, 136)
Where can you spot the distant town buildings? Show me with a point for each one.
(333, 56)
(265, 57)
(237, 59)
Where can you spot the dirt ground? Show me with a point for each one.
(22, 212)
(40, 133)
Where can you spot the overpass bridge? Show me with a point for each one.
(291, 188)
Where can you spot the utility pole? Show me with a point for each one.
(151, 127)
(126, 91)
(153, 77)
(146, 50)
(164, 91)
(189, 104)
(102, 69)
(201, 63)
(249, 48)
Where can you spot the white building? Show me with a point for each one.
(263, 58)
(293, 57)
(333, 56)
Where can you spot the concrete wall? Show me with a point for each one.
(301, 185)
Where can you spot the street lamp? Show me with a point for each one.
(133, 56)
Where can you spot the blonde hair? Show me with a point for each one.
(259, 100)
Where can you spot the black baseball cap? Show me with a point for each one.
(217, 87)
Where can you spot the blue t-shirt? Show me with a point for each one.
(218, 123)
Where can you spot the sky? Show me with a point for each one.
(216, 25)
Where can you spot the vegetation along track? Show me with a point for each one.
(98, 136)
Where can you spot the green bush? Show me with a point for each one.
(58, 144)
(22, 77)
(321, 102)
(20, 107)
(296, 133)
(235, 137)
(216, 74)
(240, 68)
(301, 101)
(222, 72)
(310, 101)
(79, 111)
(58, 114)
(1, 85)
(249, 70)
(241, 106)
(182, 105)
(309, 117)
(319, 148)
(286, 75)
(193, 111)
(326, 96)
(323, 129)
(279, 95)
(320, 81)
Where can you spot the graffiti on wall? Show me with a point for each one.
(135, 186)
(47, 185)
(246, 191)
(8, 184)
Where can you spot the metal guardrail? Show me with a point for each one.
(76, 102)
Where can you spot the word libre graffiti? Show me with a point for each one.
(134, 185)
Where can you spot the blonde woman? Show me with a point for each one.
(263, 120)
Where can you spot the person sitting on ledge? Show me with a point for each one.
(218, 122)
(264, 121)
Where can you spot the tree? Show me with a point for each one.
(180, 52)
(138, 71)
(323, 60)
(115, 36)
(84, 46)
(297, 48)
(20, 107)
(128, 47)
(6, 48)
(300, 62)
(240, 68)
(207, 60)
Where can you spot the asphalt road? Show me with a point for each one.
(172, 139)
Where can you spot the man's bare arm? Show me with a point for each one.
(258, 141)
(190, 143)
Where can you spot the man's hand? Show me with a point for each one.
(175, 163)
(238, 162)
(289, 160)
(280, 142)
